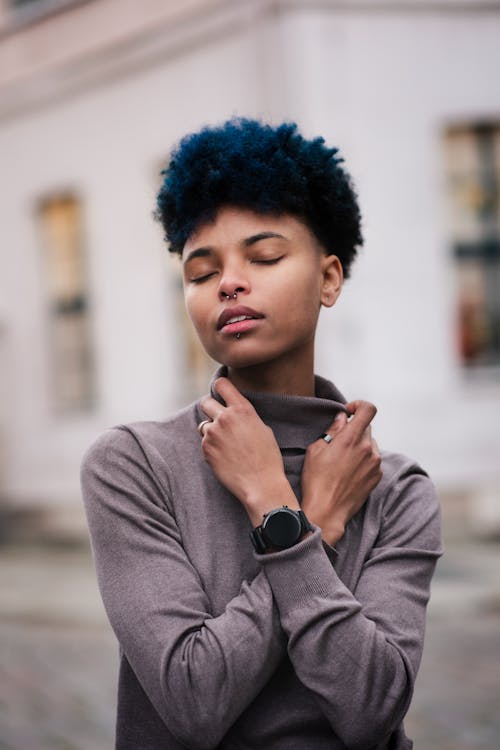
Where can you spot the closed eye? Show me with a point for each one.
(267, 261)
(201, 279)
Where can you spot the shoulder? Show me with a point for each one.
(406, 500)
(396, 467)
(142, 441)
(137, 462)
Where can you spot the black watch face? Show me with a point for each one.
(282, 528)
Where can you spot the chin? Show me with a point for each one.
(249, 351)
(241, 359)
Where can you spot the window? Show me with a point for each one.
(72, 378)
(473, 179)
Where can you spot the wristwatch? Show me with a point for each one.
(280, 529)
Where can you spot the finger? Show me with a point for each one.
(211, 407)
(202, 426)
(338, 423)
(228, 391)
(363, 413)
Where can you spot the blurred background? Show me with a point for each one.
(93, 95)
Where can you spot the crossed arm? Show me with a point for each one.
(201, 672)
(336, 479)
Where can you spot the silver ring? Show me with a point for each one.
(326, 437)
(202, 425)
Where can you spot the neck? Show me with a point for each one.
(290, 375)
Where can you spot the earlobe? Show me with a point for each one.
(333, 278)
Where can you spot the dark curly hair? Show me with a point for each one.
(271, 170)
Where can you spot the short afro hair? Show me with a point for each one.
(270, 170)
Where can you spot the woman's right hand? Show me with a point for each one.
(337, 477)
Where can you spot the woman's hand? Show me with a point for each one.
(243, 453)
(337, 477)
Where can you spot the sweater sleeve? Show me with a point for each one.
(359, 652)
(200, 672)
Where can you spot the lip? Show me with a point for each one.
(236, 312)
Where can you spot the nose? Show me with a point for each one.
(233, 282)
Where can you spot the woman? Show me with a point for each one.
(265, 568)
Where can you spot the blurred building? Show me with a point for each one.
(94, 93)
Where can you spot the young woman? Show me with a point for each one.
(265, 568)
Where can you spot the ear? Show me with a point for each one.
(331, 280)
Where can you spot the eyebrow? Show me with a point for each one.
(203, 252)
(262, 236)
(200, 252)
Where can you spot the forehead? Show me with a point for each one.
(232, 226)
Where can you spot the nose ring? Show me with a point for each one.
(231, 296)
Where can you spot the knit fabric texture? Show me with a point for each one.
(223, 648)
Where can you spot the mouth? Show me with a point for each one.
(237, 319)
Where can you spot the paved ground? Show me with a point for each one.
(457, 700)
(58, 659)
(57, 655)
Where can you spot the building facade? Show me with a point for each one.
(94, 93)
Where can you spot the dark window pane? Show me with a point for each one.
(473, 171)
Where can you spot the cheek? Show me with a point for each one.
(194, 306)
(195, 313)
(302, 302)
(198, 311)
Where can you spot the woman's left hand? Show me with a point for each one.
(243, 453)
(337, 478)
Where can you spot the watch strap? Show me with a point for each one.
(258, 540)
(261, 545)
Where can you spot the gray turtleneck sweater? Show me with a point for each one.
(303, 649)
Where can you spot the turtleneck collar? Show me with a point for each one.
(295, 420)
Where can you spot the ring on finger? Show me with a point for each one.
(326, 437)
(202, 425)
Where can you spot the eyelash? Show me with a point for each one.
(268, 262)
(201, 279)
(264, 262)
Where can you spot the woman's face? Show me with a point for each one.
(254, 285)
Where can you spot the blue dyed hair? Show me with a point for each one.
(270, 170)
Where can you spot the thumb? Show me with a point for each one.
(338, 423)
(228, 391)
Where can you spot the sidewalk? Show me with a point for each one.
(457, 698)
(58, 657)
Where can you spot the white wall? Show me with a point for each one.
(381, 86)
(387, 86)
(108, 144)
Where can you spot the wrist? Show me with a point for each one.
(333, 534)
(331, 525)
(267, 497)
(281, 529)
